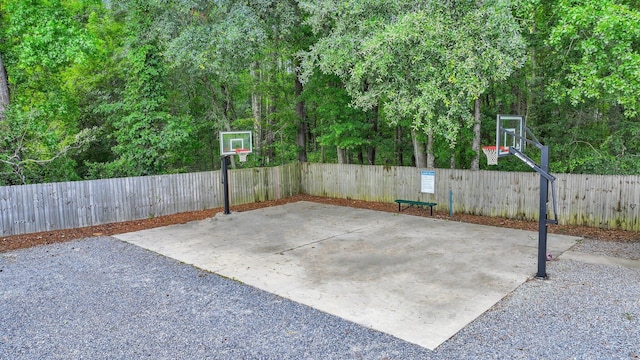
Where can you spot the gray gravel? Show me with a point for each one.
(100, 298)
(607, 248)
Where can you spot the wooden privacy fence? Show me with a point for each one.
(592, 200)
(54, 206)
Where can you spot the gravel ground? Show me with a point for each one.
(616, 249)
(100, 298)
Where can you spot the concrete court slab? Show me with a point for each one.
(419, 279)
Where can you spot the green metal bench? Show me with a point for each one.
(411, 203)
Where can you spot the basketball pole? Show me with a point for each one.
(225, 183)
(545, 180)
(543, 169)
(542, 221)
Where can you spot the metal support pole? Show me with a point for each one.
(225, 183)
(542, 221)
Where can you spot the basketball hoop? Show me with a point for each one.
(242, 153)
(492, 153)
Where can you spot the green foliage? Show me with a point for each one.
(143, 87)
(599, 148)
(214, 39)
(337, 124)
(43, 42)
(582, 58)
(425, 61)
(37, 151)
(147, 138)
(597, 44)
(44, 36)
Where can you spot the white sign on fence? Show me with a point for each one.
(428, 181)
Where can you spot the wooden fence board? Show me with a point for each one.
(592, 200)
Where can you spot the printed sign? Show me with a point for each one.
(428, 181)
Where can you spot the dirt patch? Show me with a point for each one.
(49, 237)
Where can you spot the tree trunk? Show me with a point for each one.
(475, 146)
(301, 139)
(227, 111)
(530, 111)
(418, 150)
(256, 108)
(371, 149)
(431, 159)
(399, 147)
(342, 156)
(269, 136)
(4, 90)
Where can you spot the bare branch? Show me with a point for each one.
(587, 143)
(16, 162)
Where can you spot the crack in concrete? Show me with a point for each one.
(320, 240)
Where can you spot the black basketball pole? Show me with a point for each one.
(542, 221)
(225, 183)
(545, 180)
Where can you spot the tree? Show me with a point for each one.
(286, 34)
(148, 138)
(580, 89)
(425, 61)
(5, 99)
(596, 43)
(335, 123)
(42, 41)
(32, 153)
(209, 48)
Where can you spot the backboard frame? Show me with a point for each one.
(506, 125)
(232, 140)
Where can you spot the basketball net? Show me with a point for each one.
(242, 153)
(492, 153)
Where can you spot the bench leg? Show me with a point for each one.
(408, 206)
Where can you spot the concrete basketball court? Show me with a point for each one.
(419, 279)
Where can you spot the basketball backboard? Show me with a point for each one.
(231, 141)
(510, 132)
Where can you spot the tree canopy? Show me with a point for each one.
(92, 89)
(424, 62)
